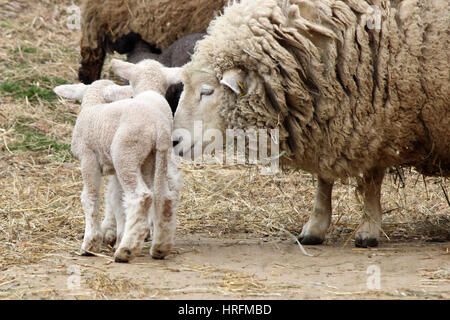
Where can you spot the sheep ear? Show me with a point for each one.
(124, 69)
(173, 75)
(115, 92)
(71, 91)
(234, 79)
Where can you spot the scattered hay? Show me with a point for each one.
(106, 287)
(40, 183)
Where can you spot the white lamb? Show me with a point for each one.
(130, 139)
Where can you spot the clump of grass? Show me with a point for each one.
(41, 88)
(28, 50)
(31, 139)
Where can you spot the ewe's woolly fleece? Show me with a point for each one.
(346, 97)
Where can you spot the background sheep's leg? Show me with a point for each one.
(114, 220)
(370, 187)
(314, 230)
(91, 64)
(92, 178)
(164, 214)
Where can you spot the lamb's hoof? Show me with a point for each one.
(159, 251)
(85, 253)
(120, 260)
(89, 246)
(310, 240)
(123, 255)
(366, 243)
(158, 255)
(110, 238)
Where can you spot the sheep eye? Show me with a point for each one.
(206, 91)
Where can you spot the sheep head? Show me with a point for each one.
(147, 75)
(199, 112)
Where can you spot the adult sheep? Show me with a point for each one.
(116, 25)
(352, 88)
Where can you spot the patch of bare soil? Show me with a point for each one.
(241, 267)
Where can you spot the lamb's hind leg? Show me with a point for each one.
(370, 187)
(137, 202)
(164, 214)
(314, 230)
(92, 178)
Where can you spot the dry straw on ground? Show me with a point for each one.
(40, 183)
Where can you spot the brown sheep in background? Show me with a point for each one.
(116, 25)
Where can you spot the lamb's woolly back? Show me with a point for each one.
(345, 94)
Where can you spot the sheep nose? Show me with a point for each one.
(176, 140)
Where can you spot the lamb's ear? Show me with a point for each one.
(71, 91)
(234, 79)
(173, 75)
(115, 92)
(124, 69)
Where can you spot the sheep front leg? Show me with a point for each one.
(370, 187)
(114, 220)
(315, 229)
(92, 178)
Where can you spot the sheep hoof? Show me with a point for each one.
(310, 240)
(109, 238)
(120, 260)
(86, 254)
(366, 243)
(160, 251)
(158, 255)
(123, 255)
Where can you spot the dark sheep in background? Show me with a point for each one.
(117, 25)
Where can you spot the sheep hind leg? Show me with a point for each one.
(137, 201)
(164, 214)
(315, 229)
(137, 207)
(370, 187)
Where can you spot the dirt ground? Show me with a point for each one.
(236, 228)
(243, 267)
